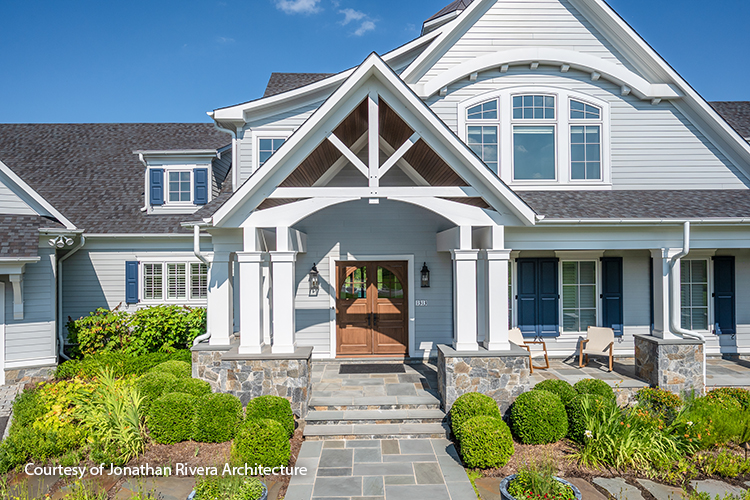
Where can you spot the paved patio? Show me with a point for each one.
(405, 469)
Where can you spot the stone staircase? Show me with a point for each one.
(375, 406)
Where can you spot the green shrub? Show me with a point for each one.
(228, 487)
(101, 331)
(152, 385)
(262, 442)
(486, 443)
(595, 386)
(170, 418)
(537, 480)
(470, 405)
(192, 386)
(160, 328)
(216, 418)
(714, 421)
(273, 407)
(121, 364)
(577, 415)
(27, 408)
(742, 396)
(538, 417)
(562, 388)
(179, 369)
(25, 444)
(659, 402)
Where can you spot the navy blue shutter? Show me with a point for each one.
(131, 282)
(527, 296)
(725, 320)
(156, 186)
(549, 299)
(200, 181)
(612, 308)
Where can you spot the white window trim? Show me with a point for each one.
(266, 134)
(597, 289)
(175, 170)
(583, 122)
(704, 256)
(177, 206)
(562, 135)
(188, 300)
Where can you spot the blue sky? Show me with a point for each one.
(169, 61)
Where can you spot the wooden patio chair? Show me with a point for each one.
(598, 342)
(515, 336)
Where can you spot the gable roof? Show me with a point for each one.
(456, 6)
(89, 172)
(21, 235)
(736, 113)
(283, 82)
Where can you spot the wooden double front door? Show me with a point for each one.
(371, 309)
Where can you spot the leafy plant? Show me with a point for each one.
(563, 389)
(262, 442)
(152, 385)
(27, 443)
(273, 407)
(192, 386)
(595, 386)
(170, 418)
(81, 490)
(538, 417)
(659, 402)
(470, 405)
(486, 442)
(179, 369)
(228, 488)
(713, 421)
(159, 329)
(120, 363)
(705, 496)
(577, 414)
(742, 396)
(536, 481)
(27, 407)
(101, 331)
(216, 418)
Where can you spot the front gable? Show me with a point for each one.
(18, 198)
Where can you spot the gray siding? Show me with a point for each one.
(221, 167)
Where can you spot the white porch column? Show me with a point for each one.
(266, 298)
(465, 300)
(220, 299)
(662, 291)
(283, 290)
(497, 300)
(251, 307)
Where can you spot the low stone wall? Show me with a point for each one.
(501, 375)
(29, 375)
(675, 365)
(251, 375)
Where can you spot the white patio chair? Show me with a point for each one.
(515, 336)
(598, 342)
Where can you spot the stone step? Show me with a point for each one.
(329, 417)
(339, 403)
(376, 431)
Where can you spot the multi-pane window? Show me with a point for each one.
(152, 282)
(179, 186)
(267, 147)
(483, 141)
(484, 111)
(579, 295)
(534, 145)
(176, 281)
(694, 294)
(198, 281)
(585, 142)
(533, 107)
(582, 111)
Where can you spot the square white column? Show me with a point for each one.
(251, 306)
(497, 300)
(219, 314)
(266, 298)
(465, 300)
(662, 290)
(283, 291)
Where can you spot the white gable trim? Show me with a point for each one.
(39, 204)
(405, 103)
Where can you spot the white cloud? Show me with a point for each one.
(351, 15)
(364, 28)
(224, 39)
(298, 6)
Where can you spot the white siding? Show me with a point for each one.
(11, 203)
(389, 228)
(33, 337)
(221, 167)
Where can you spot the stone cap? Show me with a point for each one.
(299, 353)
(450, 352)
(660, 341)
(205, 346)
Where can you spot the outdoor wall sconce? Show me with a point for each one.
(314, 281)
(425, 276)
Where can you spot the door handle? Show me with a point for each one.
(375, 319)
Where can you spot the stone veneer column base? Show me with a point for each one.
(251, 375)
(502, 375)
(676, 365)
(29, 375)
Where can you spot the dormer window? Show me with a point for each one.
(267, 147)
(179, 186)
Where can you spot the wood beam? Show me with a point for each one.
(339, 164)
(373, 129)
(404, 165)
(349, 154)
(399, 153)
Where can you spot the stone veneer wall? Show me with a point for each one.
(676, 365)
(501, 375)
(248, 376)
(29, 375)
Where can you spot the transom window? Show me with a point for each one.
(178, 276)
(582, 111)
(267, 147)
(179, 187)
(484, 111)
(694, 294)
(579, 295)
(533, 107)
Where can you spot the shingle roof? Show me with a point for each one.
(452, 7)
(21, 235)
(283, 82)
(89, 172)
(737, 114)
(639, 204)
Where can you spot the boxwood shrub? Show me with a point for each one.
(538, 417)
(170, 418)
(563, 389)
(216, 418)
(595, 386)
(152, 385)
(263, 442)
(470, 405)
(121, 364)
(192, 386)
(179, 369)
(486, 443)
(576, 417)
(274, 408)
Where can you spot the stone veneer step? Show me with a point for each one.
(400, 416)
(376, 431)
(342, 403)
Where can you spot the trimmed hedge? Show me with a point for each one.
(595, 386)
(179, 369)
(152, 385)
(121, 364)
(576, 420)
(486, 443)
(262, 442)
(170, 418)
(538, 417)
(216, 418)
(563, 389)
(470, 405)
(192, 386)
(274, 408)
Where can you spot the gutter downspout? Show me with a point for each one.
(202, 258)
(235, 163)
(60, 339)
(676, 313)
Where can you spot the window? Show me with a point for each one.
(176, 281)
(267, 147)
(179, 187)
(198, 281)
(483, 141)
(579, 295)
(694, 294)
(534, 145)
(582, 111)
(152, 282)
(484, 111)
(175, 286)
(585, 142)
(533, 107)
